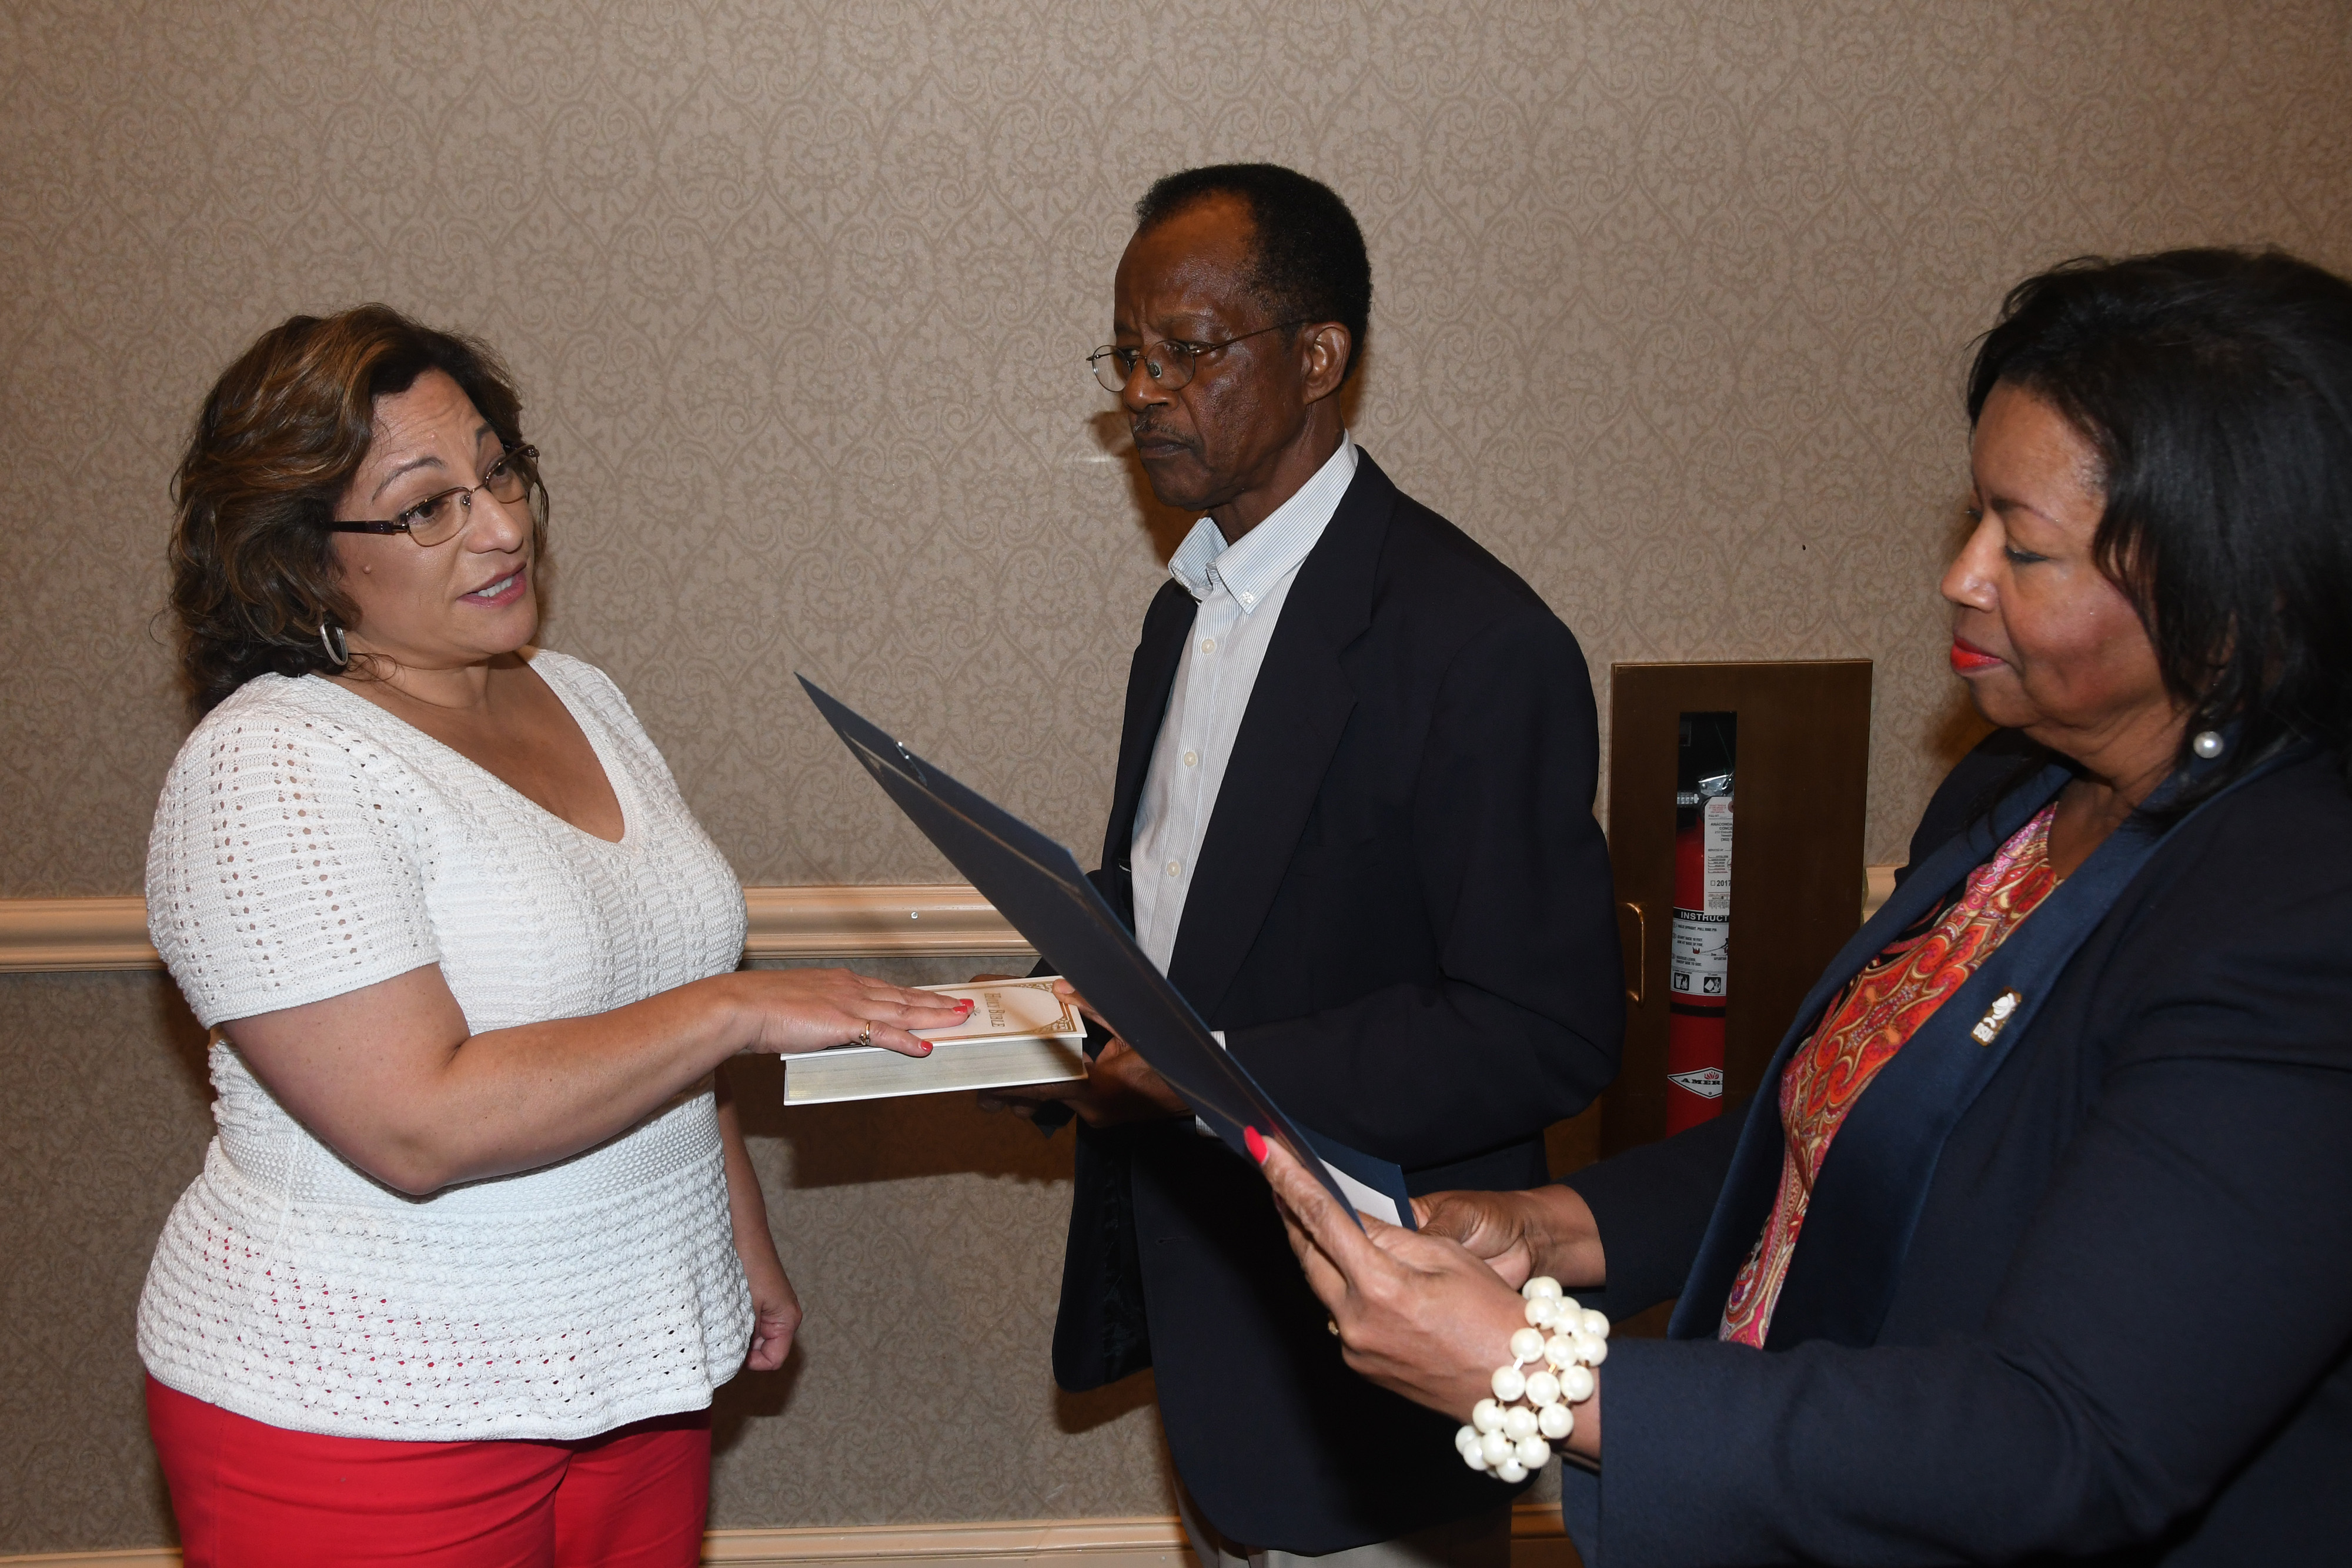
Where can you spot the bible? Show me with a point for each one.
(1019, 1032)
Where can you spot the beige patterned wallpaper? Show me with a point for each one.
(1673, 298)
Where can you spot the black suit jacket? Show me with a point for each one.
(2120, 1331)
(1400, 917)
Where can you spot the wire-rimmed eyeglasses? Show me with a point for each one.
(1169, 362)
(439, 518)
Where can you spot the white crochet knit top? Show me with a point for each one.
(309, 843)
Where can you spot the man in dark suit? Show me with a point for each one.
(1353, 823)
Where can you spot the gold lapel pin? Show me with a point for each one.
(1996, 1018)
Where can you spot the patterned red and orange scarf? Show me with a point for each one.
(1883, 1007)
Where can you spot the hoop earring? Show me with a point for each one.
(330, 638)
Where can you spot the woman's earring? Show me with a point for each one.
(2207, 744)
(330, 638)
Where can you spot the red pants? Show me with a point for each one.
(249, 1495)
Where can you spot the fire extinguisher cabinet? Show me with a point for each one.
(1766, 765)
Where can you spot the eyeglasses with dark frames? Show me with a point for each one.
(441, 517)
(1170, 362)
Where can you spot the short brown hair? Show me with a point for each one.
(276, 444)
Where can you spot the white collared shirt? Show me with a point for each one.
(1239, 588)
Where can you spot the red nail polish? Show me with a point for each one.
(1257, 1144)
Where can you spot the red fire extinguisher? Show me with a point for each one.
(1698, 970)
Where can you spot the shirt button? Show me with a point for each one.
(1191, 759)
(1248, 599)
(1175, 868)
(1208, 644)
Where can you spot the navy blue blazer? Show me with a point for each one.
(2122, 1330)
(1402, 919)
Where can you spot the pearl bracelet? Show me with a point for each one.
(1506, 1439)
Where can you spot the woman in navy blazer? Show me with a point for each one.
(2072, 1279)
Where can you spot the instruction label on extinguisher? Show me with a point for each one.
(1699, 949)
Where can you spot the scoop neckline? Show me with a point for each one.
(615, 777)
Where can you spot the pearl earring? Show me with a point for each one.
(2208, 743)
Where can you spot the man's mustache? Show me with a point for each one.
(1141, 432)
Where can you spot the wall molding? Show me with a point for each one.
(1537, 1542)
(904, 920)
(893, 920)
(1877, 886)
(41, 935)
(909, 920)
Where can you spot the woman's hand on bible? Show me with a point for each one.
(787, 1011)
(1416, 1313)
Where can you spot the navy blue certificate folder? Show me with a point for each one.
(1036, 884)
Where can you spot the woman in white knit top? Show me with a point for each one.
(477, 1236)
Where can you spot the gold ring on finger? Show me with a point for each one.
(865, 1035)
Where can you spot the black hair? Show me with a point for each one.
(2216, 387)
(1310, 262)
